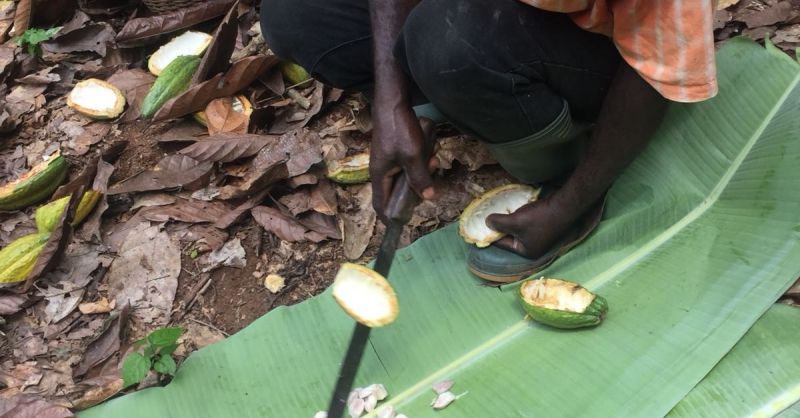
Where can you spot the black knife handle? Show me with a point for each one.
(401, 202)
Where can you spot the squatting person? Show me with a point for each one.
(564, 92)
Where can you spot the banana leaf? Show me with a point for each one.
(792, 412)
(760, 377)
(700, 237)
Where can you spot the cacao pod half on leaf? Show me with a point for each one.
(504, 199)
(562, 304)
(18, 258)
(365, 295)
(48, 215)
(35, 185)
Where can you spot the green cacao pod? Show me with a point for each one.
(48, 215)
(35, 185)
(562, 304)
(294, 73)
(18, 258)
(174, 80)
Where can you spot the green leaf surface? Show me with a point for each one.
(31, 39)
(149, 351)
(760, 377)
(164, 337)
(791, 412)
(168, 349)
(165, 364)
(134, 369)
(700, 237)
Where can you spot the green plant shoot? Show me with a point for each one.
(32, 39)
(156, 355)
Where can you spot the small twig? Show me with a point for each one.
(210, 326)
(198, 289)
(299, 98)
(259, 238)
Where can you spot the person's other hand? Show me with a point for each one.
(532, 229)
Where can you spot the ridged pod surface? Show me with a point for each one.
(35, 185)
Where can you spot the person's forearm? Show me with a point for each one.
(631, 113)
(387, 18)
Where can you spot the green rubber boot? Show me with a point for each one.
(545, 156)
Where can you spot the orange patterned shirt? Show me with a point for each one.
(670, 43)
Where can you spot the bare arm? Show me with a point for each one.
(631, 113)
(397, 145)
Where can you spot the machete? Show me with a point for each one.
(398, 212)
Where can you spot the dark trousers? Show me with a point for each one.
(497, 69)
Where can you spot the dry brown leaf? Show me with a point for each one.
(91, 227)
(324, 224)
(204, 237)
(222, 117)
(239, 76)
(23, 405)
(142, 30)
(184, 131)
(11, 303)
(100, 306)
(187, 210)
(106, 344)
(268, 167)
(468, 152)
(788, 34)
(286, 119)
(297, 202)
(145, 274)
(359, 225)
(218, 55)
(769, 15)
(303, 180)
(101, 388)
(91, 134)
(6, 20)
(21, 375)
(283, 226)
(235, 214)
(43, 76)
(93, 37)
(23, 16)
(293, 154)
(172, 171)
(231, 254)
(227, 147)
(146, 200)
(134, 84)
(303, 149)
(61, 304)
(323, 198)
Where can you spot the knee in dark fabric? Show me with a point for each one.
(276, 26)
(440, 50)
